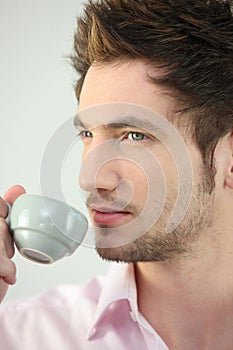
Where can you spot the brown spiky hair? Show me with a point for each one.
(192, 39)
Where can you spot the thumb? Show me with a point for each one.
(13, 193)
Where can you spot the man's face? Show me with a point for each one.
(127, 169)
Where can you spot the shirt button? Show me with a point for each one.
(133, 316)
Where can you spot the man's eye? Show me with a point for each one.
(135, 136)
(85, 134)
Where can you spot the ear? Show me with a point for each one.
(229, 167)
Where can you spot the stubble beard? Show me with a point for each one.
(156, 244)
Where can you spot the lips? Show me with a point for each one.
(106, 215)
(113, 213)
(109, 218)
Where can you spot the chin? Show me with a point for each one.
(110, 254)
(125, 254)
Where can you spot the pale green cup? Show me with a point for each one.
(44, 229)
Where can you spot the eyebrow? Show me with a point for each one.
(121, 123)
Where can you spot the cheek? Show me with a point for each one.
(150, 183)
(138, 181)
(170, 174)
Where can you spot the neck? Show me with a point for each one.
(189, 302)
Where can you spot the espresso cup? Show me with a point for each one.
(45, 229)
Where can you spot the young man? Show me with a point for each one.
(168, 60)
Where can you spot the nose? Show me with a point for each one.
(100, 168)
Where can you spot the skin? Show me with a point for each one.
(187, 297)
(7, 266)
(191, 290)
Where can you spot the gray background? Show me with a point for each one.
(36, 97)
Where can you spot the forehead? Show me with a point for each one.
(126, 82)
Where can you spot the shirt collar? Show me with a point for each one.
(119, 285)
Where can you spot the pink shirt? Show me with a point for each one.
(99, 315)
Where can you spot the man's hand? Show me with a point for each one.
(7, 267)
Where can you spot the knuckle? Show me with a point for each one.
(3, 208)
(10, 251)
(8, 267)
(6, 240)
(12, 267)
(3, 226)
(2, 246)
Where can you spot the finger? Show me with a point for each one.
(13, 193)
(6, 240)
(3, 208)
(3, 289)
(7, 270)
